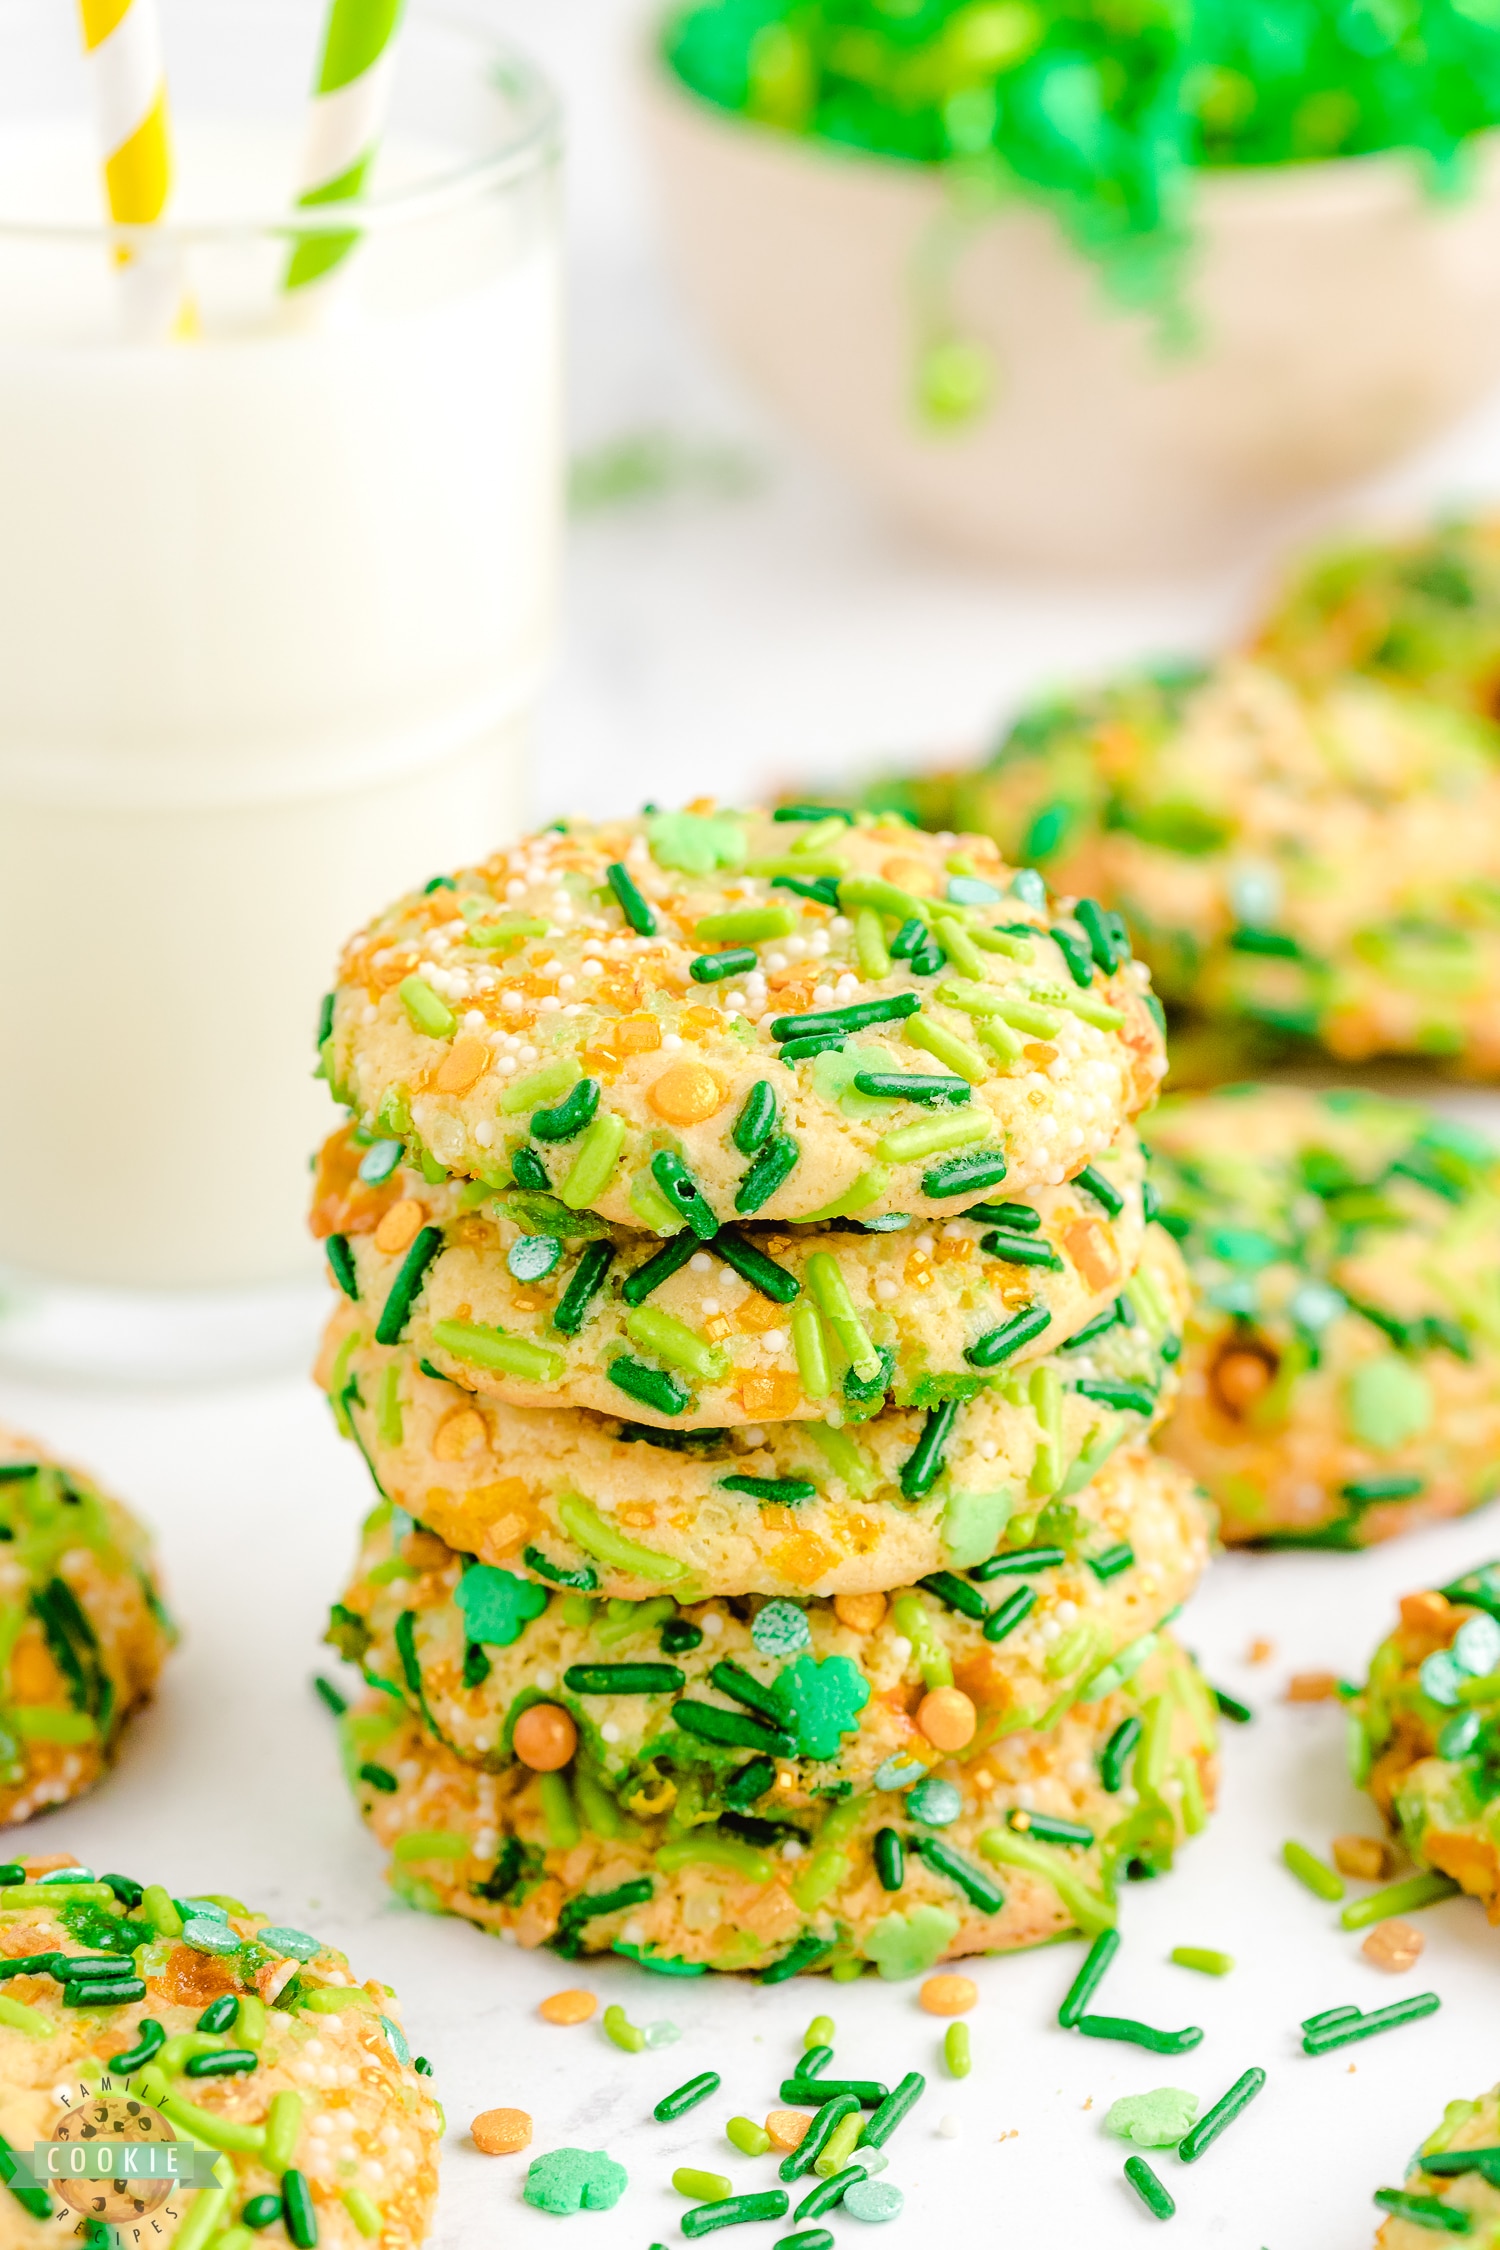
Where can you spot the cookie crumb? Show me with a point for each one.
(1393, 1946)
(1312, 1687)
(1366, 1858)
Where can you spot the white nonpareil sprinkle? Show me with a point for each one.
(712, 1624)
(609, 1732)
(700, 1262)
(672, 1039)
(948, 2128)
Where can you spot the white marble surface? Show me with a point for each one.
(728, 643)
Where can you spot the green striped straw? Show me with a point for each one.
(348, 113)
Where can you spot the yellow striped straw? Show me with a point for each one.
(123, 42)
(122, 39)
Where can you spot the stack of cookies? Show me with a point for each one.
(750, 1312)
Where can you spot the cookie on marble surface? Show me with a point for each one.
(1317, 868)
(526, 1301)
(714, 1016)
(1341, 1373)
(1426, 1743)
(469, 1646)
(126, 2005)
(623, 1508)
(83, 1631)
(930, 1859)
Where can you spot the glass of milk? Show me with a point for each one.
(276, 598)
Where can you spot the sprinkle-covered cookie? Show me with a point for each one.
(714, 1862)
(794, 1507)
(124, 2008)
(470, 1646)
(705, 1017)
(1421, 612)
(526, 1301)
(83, 1633)
(1451, 2191)
(1341, 1377)
(1320, 866)
(1427, 1741)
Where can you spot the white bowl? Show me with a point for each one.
(1345, 317)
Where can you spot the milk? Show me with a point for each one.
(274, 606)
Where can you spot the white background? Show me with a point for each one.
(756, 638)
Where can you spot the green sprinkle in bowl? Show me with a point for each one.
(1345, 318)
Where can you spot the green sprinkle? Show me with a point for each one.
(1047, 1830)
(505, 1355)
(1116, 1751)
(808, 1950)
(219, 2132)
(700, 2187)
(946, 1047)
(1089, 1978)
(998, 1344)
(817, 2055)
(819, 2033)
(802, 2158)
(1232, 1707)
(733, 1730)
(1365, 1489)
(778, 1492)
(644, 1280)
(962, 1175)
(802, 1050)
(1313, 1873)
(806, 2087)
(1398, 1898)
(1149, 2188)
(1021, 1250)
(839, 2147)
(735, 2210)
(1008, 1613)
(1126, 1398)
(912, 1086)
(341, 1264)
(31, 2197)
(1134, 2034)
(1454, 2162)
(890, 1858)
(956, 1594)
(233, 2062)
(683, 1193)
(16, 2016)
(932, 1136)
(404, 1290)
(713, 968)
(585, 1580)
(1155, 2120)
(651, 1386)
(1080, 966)
(631, 904)
(898, 2103)
(1425, 2211)
(754, 1266)
(544, 1085)
(749, 2138)
(424, 1010)
(150, 2038)
(756, 1119)
(283, 2129)
(1203, 1958)
(570, 1116)
(1018, 1559)
(365, 2214)
(298, 2216)
(1112, 1562)
(956, 2056)
(923, 1465)
(1103, 1190)
(529, 1172)
(812, 812)
(219, 2015)
(624, 1679)
(745, 926)
(680, 1346)
(1224, 2112)
(841, 1021)
(594, 1162)
(584, 1284)
(599, 1536)
(830, 1290)
(157, 1906)
(1108, 947)
(978, 1888)
(772, 1167)
(104, 1992)
(625, 2034)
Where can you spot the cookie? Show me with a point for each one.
(627, 1509)
(934, 1858)
(85, 1635)
(1427, 1744)
(710, 1016)
(1314, 867)
(1341, 1374)
(470, 1645)
(1421, 612)
(531, 1303)
(1448, 2173)
(242, 2035)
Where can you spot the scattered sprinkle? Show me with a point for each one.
(500, 2132)
(749, 2138)
(701, 2187)
(948, 2128)
(1366, 1858)
(956, 2054)
(1224, 2112)
(874, 2201)
(1149, 2188)
(572, 2006)
(1324, 2035)
(787, 2128)
(1203, 1958)
(1311, 1872)
(1312, 1687)
(1393, 1946)
(687, 2096)
(1155, 2120)
(1399, 1898)
(574, 2179)
(625, 2034)
(948, 1995)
